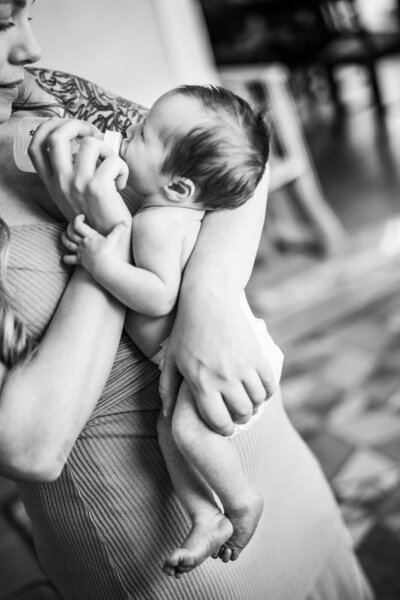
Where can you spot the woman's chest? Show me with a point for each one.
(36, 275)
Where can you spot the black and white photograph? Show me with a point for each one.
(200, 403)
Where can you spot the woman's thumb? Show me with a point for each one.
(170, 381)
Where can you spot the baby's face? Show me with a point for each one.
(147, 143)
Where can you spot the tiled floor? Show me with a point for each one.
(341, 383)
(338, 322)
(342, 391)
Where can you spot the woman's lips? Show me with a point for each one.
(12, 84)
(10, 90)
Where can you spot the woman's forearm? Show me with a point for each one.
(45, 402)
(226, 248)
(136, 288)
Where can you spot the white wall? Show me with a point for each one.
(136, 48)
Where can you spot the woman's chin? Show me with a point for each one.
(5, 110)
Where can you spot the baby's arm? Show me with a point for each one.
(151, 286)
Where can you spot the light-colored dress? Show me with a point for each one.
(103, 529)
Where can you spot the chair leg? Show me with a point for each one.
(376, 90)
(334, 89)
(295, 166)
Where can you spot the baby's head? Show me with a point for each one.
(199, 145)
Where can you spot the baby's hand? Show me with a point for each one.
(88, 247)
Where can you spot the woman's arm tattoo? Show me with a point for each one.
(85, 100)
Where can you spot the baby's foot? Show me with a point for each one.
(244, 521)
(205, 539)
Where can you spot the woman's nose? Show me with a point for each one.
(25, 50)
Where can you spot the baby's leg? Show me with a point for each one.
(210, 528)
(218, 462)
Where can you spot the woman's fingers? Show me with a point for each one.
(170, 382)
(238, 402)
(87, 159)
(60, 139)
(255, 389)
(51, 150)
(267, 377)
(112, 167)
(38, 148)
(214, 412)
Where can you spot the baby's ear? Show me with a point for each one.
(180, 189)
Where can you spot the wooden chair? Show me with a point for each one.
(301, 35)
(351, 43)
(306, 220)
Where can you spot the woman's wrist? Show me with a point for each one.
(123, 250)
(87, 283)
(207, 291)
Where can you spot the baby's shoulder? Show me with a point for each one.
(156, 228)
(152, 219)
(161, 218)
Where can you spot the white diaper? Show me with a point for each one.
(274, 355)
(272, 352)
(158, 358)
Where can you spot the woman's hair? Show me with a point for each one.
(225, 156)
(15, 342)
(51, 108)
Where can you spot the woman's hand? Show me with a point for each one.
(213, 347)
(86, 183)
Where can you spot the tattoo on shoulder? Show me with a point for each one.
(88, 101)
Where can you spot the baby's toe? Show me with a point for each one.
(225, 554)
(187, 561)
(235, 553)
(172, 560)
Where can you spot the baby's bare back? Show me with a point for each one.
(163, 238)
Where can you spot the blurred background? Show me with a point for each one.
(327, 275)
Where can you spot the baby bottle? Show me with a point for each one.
(25, 129)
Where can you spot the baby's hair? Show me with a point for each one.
(15, 343)
(226, 156)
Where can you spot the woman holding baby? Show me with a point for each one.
(79, 402)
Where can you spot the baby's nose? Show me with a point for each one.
(130, 132)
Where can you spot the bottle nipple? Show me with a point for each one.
(113, 139)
